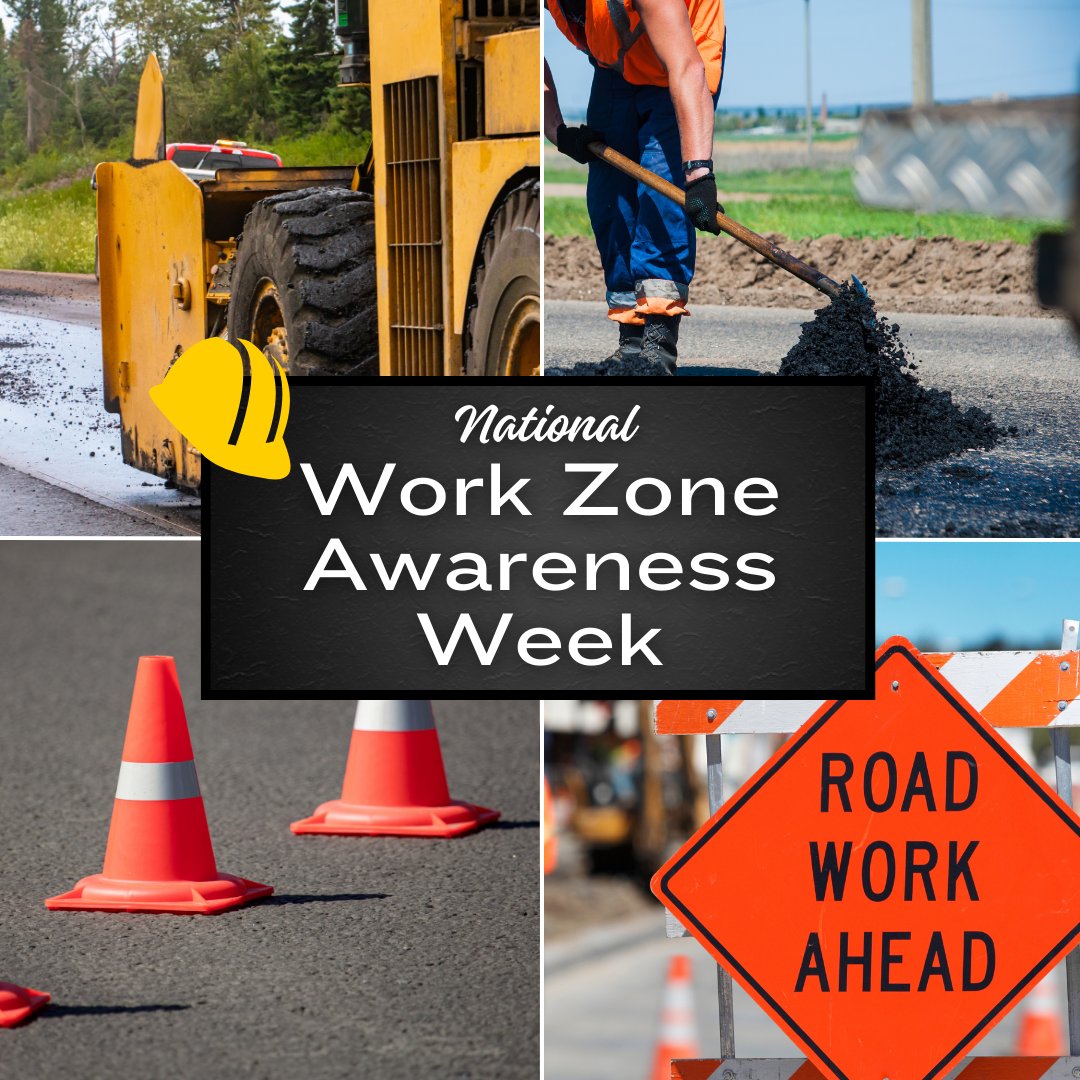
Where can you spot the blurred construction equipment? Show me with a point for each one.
(422, 259)
(1057, 254)
(634, 795)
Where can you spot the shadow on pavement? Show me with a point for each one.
(701, 369)
(512, 825)
(321, 898)
(53, 1011)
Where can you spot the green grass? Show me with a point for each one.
(788, 136)
(53, 166)
(49, 230)
(768, 181)
(804, 217)
(320, 148)
(47, 224)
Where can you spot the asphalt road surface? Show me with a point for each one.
(56, 440)
(1024, 372)
(602, 1001)
(376, 957)
(30, 506)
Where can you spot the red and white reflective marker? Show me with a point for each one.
(890, 883)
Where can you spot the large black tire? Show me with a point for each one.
(503, 326)
(303, 289)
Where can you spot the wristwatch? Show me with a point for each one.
(690, 166)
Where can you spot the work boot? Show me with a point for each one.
(629, 343)
(658, 343)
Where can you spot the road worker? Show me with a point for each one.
(658, 65)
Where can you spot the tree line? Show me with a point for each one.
(249, 69)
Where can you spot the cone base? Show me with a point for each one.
(337, 818)
(19, 1003)
(99, 893)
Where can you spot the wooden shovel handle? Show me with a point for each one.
(785, 260)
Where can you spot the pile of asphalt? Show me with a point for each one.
(914, 424)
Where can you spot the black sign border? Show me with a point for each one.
(793, 746)
(215, 693)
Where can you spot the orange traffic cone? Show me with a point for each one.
(395, 784)
(159, 856)
(551, 839)
(19, 1003)
(1041, 1031)
(678, 1029)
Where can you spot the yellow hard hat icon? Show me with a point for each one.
(231, 402)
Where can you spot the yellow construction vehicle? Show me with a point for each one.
(422, 260)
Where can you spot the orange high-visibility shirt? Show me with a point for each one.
(613, 35)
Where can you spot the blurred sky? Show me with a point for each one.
(862, 51)
(958, 595)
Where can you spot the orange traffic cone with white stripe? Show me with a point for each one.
(19, 1003)
(159, 856)
(395, 783)
(678, 1029)
(1041, 1031)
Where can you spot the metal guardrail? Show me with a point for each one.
(1007, 162)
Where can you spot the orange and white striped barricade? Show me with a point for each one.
(1010, 689)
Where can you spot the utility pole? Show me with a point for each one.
(809, 96)
(922, 67)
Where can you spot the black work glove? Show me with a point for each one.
(701, 204)
(574, 141)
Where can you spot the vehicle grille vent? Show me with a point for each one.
(414, 227)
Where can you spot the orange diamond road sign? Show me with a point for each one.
(890, 883)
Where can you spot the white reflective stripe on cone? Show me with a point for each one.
(145, 781)
(393, 716)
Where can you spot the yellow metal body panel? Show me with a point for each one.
(410, 42)
(417, 41)
(512, 83)
(484, 165)
(150, 115)
(152, 264)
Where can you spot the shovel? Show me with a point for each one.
(766, 248)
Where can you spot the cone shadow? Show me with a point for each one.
(512, 825)
(321, 898)
(104, 1010)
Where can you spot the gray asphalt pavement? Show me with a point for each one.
(61, 472)
(602, 1014)
(376, 957)
(1023, 371)
(33, 507)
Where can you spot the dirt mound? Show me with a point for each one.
(939, 274)
(913, 424)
